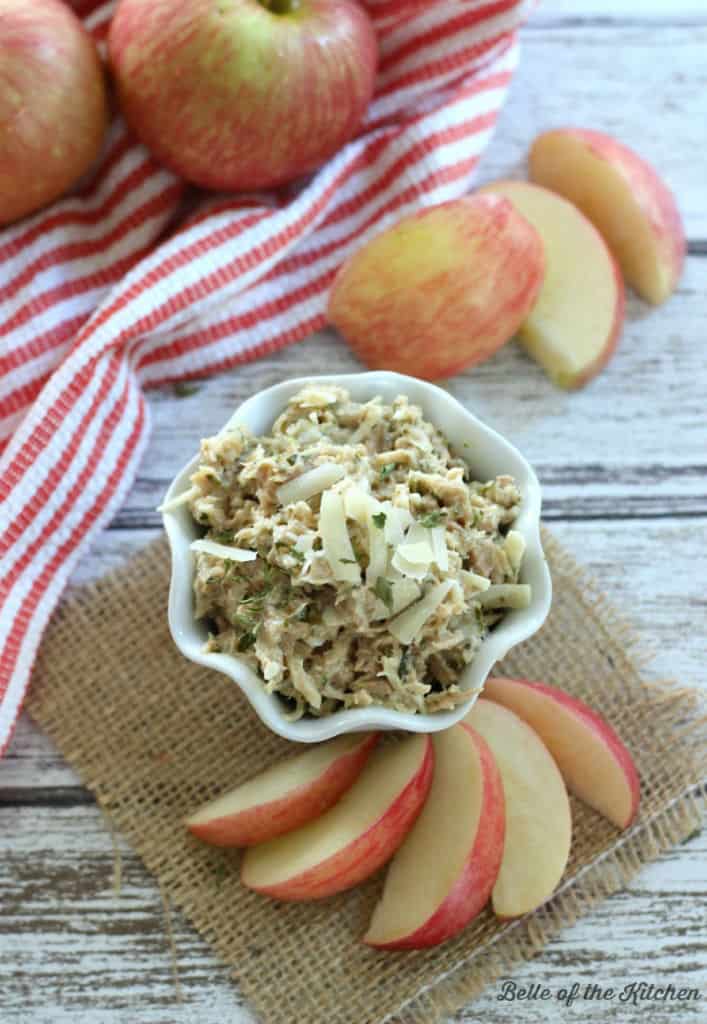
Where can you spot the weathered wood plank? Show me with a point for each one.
(672, 12)
(643, 82)
(103, 956)
(72, 952)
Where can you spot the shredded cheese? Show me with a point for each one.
(403, 592)
(477, 581)
(406, 626)
(439, 547)
(210, 547)
(311, 482)
(377, 553)
(514, 546)
(179, 500)
(335, 538)
(504, 595)
(416, 570)
(419, 552)
(396, 523)
(359, 505)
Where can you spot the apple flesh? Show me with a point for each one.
(284, 796)
(53, 106)
(623, 197)
(574, 327)
(443, 874)
(441, 290)
(594, 763)
(243, 94)
(353, 839)
(538, 819)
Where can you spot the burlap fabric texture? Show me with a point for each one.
(153, 736)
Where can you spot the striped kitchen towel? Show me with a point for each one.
(117, 288)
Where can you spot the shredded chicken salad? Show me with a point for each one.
(349, 556)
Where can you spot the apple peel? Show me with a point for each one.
(594, 763)
(443, 874)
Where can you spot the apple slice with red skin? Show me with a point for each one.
(443, 874)
(594, 763)
(356, 836)
(574, 327)
(284, 796)
(623, 197)
(538, 818)
(440, 290)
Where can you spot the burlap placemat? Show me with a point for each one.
(153, 736)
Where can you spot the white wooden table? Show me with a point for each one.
(623, 465)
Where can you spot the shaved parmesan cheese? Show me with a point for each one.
(181, 499)
(416, 570)
(396, 523)
(359, 505)
(406, 626)
(477, 581)
(420, 552)
(439, 547)
(403, 592)
(505, 595)
(335, 538)
(514, 546)
(377, 553)
(309, 483)
(210, 547)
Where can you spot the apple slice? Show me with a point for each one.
(353, 839)
(594, 763)
(284, 796)
(574, 327)
(538, 820)
(443, 874)
(623, 197)
(440, 290)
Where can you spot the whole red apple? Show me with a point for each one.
(53, 107)
(243, 94)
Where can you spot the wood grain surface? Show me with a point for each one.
(624, 471)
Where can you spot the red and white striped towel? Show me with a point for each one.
(103, 294)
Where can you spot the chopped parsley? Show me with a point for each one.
(432, 519)
(404, 665)
(379, 519)
(384, 590)
(387, 470)
(246, 641)
(224, 537)
(243, 621)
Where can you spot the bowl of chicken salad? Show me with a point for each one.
(355, 552)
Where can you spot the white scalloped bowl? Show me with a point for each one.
(489, 455)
